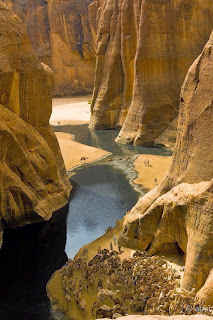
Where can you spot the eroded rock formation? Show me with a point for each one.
(61, 37)
(33, 180)
(144, 49)
(196, 317)
(180, 210)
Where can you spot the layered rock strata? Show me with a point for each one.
(33, 180)
(144, 49)
(179, 211)
(61, 37)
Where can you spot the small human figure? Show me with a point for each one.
(99, 250)
(115, 239)
(144, 162)
(119, 247)
(148, 163)
(111, 247)
(58, 123)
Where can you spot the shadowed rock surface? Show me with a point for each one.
(61, 37)
(33, 180)
(28, 257)
(179, 210)
(144, 49)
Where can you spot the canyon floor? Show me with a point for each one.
(73, 110)
(149, 171)
(76, 110)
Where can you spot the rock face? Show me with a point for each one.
(144, 49)
(197, 317)
(179, 211)
(33, 180)
(62, 39)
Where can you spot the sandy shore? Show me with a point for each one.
(104, 242)
(76, 154)
(157, 168)
(74, 110)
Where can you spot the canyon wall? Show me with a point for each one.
(33, 180)
(180, 210)
(61, 37)
(144, 49)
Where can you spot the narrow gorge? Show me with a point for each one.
(61, 37)
(106, 159)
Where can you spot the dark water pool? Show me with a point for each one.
(101, 196)
(105, 139)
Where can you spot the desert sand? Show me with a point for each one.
(74, 110)
(157, 168)
(76, 154)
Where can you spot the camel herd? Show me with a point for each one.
(107, 287)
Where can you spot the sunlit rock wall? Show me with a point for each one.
(180, 210)
(144, 49)
(61, 37)
(33, 180)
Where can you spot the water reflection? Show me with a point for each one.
(28, 258)
(101, 196)
(105, 139)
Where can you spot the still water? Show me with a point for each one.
(101, 196)
(105, 139)
(31, 254)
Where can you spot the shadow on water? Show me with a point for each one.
(105, 139)
(28, 258)
(100, 197)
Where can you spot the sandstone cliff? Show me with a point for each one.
(62, 39)
(144, 49)
(179, 211)
(197, 317)
(33, 180)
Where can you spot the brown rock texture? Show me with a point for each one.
(33, 180)
(144, 49)
(197, 317)
(61, 37)
(180, 210)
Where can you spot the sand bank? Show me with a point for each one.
(74, 110)
(157, 168)
(76, 154)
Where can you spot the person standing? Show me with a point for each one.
(119, 247)
(115, 239)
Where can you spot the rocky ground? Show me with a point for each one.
(108, 286)
(196, 317)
